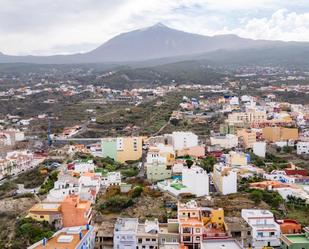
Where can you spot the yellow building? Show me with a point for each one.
(129, 148)
(248, 137)
(214, 217)
(122, 149)
(276, 134)
(49, 212)
(237, 159)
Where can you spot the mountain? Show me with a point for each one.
(157, 42)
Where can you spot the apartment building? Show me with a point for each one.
(75, 212)
(16, 162)
(156, 165)
(246, 137)
(125, 233)
(259, 149)
(196, 180)
(182, 140)
(277, 134)
(265, 231)
(148, 235)
(303, 148)
(122, 149)
(225, 142)
(190, 225)
(111, 179)
(225, 179)
(79, 237)
(248, 117)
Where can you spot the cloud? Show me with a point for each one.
(58, 26)
(282, 25)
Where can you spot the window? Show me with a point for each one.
(163, 240)
(140, 240)
(153, 239)
(186, 238)
(198, 238)
(272, 233)
(150, 247)
(41, 216)
(147, 239)
(197, 230)
(186, 230)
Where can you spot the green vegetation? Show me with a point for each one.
(208, 163)
(130, 171)
(115, 201)
(29, 231)
(49, 184)
(269, 163)
(272, 198)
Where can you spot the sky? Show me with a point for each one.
(45, 27)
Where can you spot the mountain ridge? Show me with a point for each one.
(155, 42)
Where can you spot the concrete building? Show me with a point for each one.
(50, 212)
(221, 244)
(265, 231)
(182, 140)
(277, 134)
(75, 212)
(190, 224)
(125, 233)
(259, 149)
(196, 180)
(148, 235)
(249, 117)
(226, 142)
(122, 149)
(111, 179)
(247, 137)
(225, 179)
(227, 129)
(295, 241)
(80, 237)
(288, 226)
(303, 148)
(82, 166)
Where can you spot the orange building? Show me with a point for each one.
(196, 152)
(75, 212)
(276, 134)
(288, 226)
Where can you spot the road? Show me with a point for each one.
(142, 171)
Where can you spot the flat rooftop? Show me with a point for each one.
(55, 242)
(216, 244)
(297, 238)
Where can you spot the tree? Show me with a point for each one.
(256, 196)
(208, 163)
(189, 163)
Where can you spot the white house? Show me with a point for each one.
(225, 179)
(125, 233)
(303, 148)
(196, 180)
(82, 166)
(264, 230)
(111, 179)
(226, 142)
(259, 149)
(182, 140)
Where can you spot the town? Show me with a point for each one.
(221, 171)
